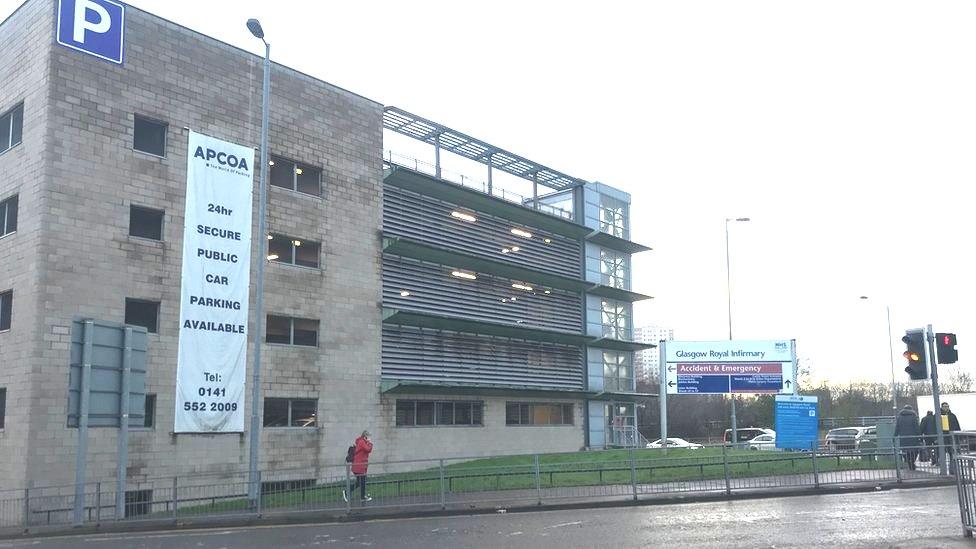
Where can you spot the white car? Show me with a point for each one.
(763, 442)
(675, 443)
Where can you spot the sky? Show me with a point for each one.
(843, 130)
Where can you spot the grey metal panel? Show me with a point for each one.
(433, 289)
(449, 357)
(426, 219)
(106, 382)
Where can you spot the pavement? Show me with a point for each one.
(915, 518)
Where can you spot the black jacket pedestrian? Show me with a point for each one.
(906, 429)
(927, 425)
(953, 422)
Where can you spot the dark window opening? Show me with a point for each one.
(146, 222)
(149, 136)
(288, 412)
(286, 330)
(6, 309)
(3, 405)
(140, 312)
(296, 176)
(411, 413)
(11, 127)
(294, 251)
(527, 413)
(149, 421)
(8, 216)
(138, 502)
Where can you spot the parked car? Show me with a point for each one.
(745, 434)
(675, 443)
(763, 442)
(847, 438)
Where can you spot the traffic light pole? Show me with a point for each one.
(934, 370)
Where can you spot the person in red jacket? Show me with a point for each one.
(360, 462)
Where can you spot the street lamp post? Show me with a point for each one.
(254, 26)
(728, 291)
(891, 359)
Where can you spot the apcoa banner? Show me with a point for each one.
(211, 367)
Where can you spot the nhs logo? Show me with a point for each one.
(96, 27)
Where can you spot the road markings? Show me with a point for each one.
(564, 524)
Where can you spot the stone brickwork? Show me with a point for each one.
(24, 77)
(78, 217)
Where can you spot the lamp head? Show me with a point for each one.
(254, 26)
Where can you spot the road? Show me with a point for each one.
(916, 518)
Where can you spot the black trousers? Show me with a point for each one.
(361, 483)
(910, 457)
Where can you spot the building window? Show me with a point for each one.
(145, 222)
(11, 128)
(613, 268)
(530, 413)
(149, 421)
(290, 412)
(295, 176)
(292, 331)
(615, 318)
(294, 251)
(140, 312)
(613, 216)
(618, 371)
(427, 413)
(3, 405)
(8, 216)
(149, 136)
(6, 309)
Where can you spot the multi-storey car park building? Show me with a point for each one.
(449, 318)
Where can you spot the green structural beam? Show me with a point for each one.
(406, 387)
(605, 240)
(456, 324)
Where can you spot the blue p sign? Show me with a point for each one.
(96, 27)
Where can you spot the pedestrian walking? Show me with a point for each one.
(949, 424)
(907, 433)
(927, 427)
(360, 463)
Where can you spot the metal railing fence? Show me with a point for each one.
(464, 482)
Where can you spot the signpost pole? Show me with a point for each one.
(123, 423)
(82, 450)
(663, 397)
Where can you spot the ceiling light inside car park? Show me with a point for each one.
(515, 248)
(296, 242)
(518, 286)
(520, 232)
(548, 241)
(548, 292)
(272, 257)
(464, 216)
(505, 250)
(404, 293)
(462, 274)
(298, 171)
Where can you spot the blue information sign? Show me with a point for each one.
(797, 420)
(703, 384)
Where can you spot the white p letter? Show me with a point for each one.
(82, 24)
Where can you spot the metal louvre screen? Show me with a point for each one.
(449, 357)
(429, 220)
(432, 289)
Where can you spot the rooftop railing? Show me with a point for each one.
(469, 182)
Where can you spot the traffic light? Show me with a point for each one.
(915, 353)
(945, 344)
